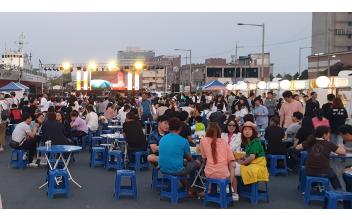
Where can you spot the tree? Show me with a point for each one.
(287, 76)
(278, 76)
(296, 76)
(304, 74)
(271, 77)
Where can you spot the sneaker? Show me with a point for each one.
(32, 165)
(25, 156)
(235, 196)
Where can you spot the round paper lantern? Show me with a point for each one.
(252, 86)
(229, 86)
(285, 84)
(273, 85)
(242, 85)
(261, 85)
(322, 81)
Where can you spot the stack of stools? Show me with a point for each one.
(139, 160)
(309, 195)
(170, 188)
(302, 176)
(156, 181)
(17, 160)
(114, 160)
(274, 159)
(335, 196)
(129, 190)
(97, 156)
(58, 183)
(221, 198)
(253, 192)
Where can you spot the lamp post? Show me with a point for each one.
(263, 36)
(190, 67)
(299, 58)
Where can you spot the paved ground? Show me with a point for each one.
(19, 189)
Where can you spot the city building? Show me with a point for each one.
(153, 79)
(171, 64)
(133, 54)
(331, 32)
(215, 62)
(318, 64)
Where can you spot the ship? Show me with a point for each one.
(17, 66)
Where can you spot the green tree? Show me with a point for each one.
(304, 74)
(271, 77)
(296, 76)
(278, 76)
(287, 76)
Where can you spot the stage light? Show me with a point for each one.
(112, 66)
(66, 65)
(92, 66)
(138, 65)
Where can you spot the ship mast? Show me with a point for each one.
(20, 42)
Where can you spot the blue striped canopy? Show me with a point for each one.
(12, 86)
(214, 85)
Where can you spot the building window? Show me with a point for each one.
(349, 48)
(349, 23)
(214, 72)
(349, 36)
(229, 72)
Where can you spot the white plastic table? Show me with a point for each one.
(199, 173)
(60, 149)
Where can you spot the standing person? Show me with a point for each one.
(274, 135)
(219, 156)
(173, 149)
(44, 105)
(92, 119)
(288, 108)
(312, 105)
(145, 109)
(260, 113)
(337, 116)
(230, 100)
(24, 138)
(3, 121)
(110, 112)
(14, 99)
(133, 132)
(319, 149)
(327, 106)
(270, 104)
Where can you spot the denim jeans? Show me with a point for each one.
(348, 181)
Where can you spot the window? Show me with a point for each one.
(252, 72)
(349, 23)
(214, 72)
(229, 72)
(349, 36)
(238, 72)
(349, 48)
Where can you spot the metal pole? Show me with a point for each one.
(165, 78)
(262, 72)
(299, 61)
(318, 65)
(328, 53)
(190, 71)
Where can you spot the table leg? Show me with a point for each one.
(198, 176)
(66, 168)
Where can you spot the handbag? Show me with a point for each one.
(14, 144)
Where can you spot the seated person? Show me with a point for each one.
(232, 134)
(60, 117)
(54, 131)
(219, 156)
(15, 114)
(78, 125)
(199, 127)
(186, 131)
(173, 149)
(133, 132)
(319, 149)
(23, 137)
(346, 133)
(154, 138)
(294, 127)
(253, 166)
(274, 135)
(92, 119)
(320, 120)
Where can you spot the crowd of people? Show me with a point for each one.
(235, 132)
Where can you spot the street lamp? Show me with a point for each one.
(66, 66)
(92, 66)
(138, 65)
(318, 54)
(299, 58)
(263, 35)
(190, 67)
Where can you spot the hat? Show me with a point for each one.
(248, 124)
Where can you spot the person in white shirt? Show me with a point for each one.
(92, 119)
(44, 105)
(14, 99)
(123, 113)
(232, 135)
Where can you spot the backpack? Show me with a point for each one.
(4, 113)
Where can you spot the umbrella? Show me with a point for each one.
(100, 84)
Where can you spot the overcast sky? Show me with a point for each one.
(83, 37)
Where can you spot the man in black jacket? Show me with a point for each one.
(312, 106)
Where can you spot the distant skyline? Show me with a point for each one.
(85, 37)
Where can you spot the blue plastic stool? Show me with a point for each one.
(139, 160)
(308, 195)
(253, 192)
(17, 159)
(156, 181)
(273, 170)
(170, 188)
(114, 160)
(221, 198)
(58, 187)
(130, 190)
(95, 142)
(97, 156)
(302, 180)
(334, 196)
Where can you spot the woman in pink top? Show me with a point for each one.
(110, 112)
(219, 157)
(319, 120)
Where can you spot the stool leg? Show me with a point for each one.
(134, 187)
(223, 201)
(307, 192)
(174, 191)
